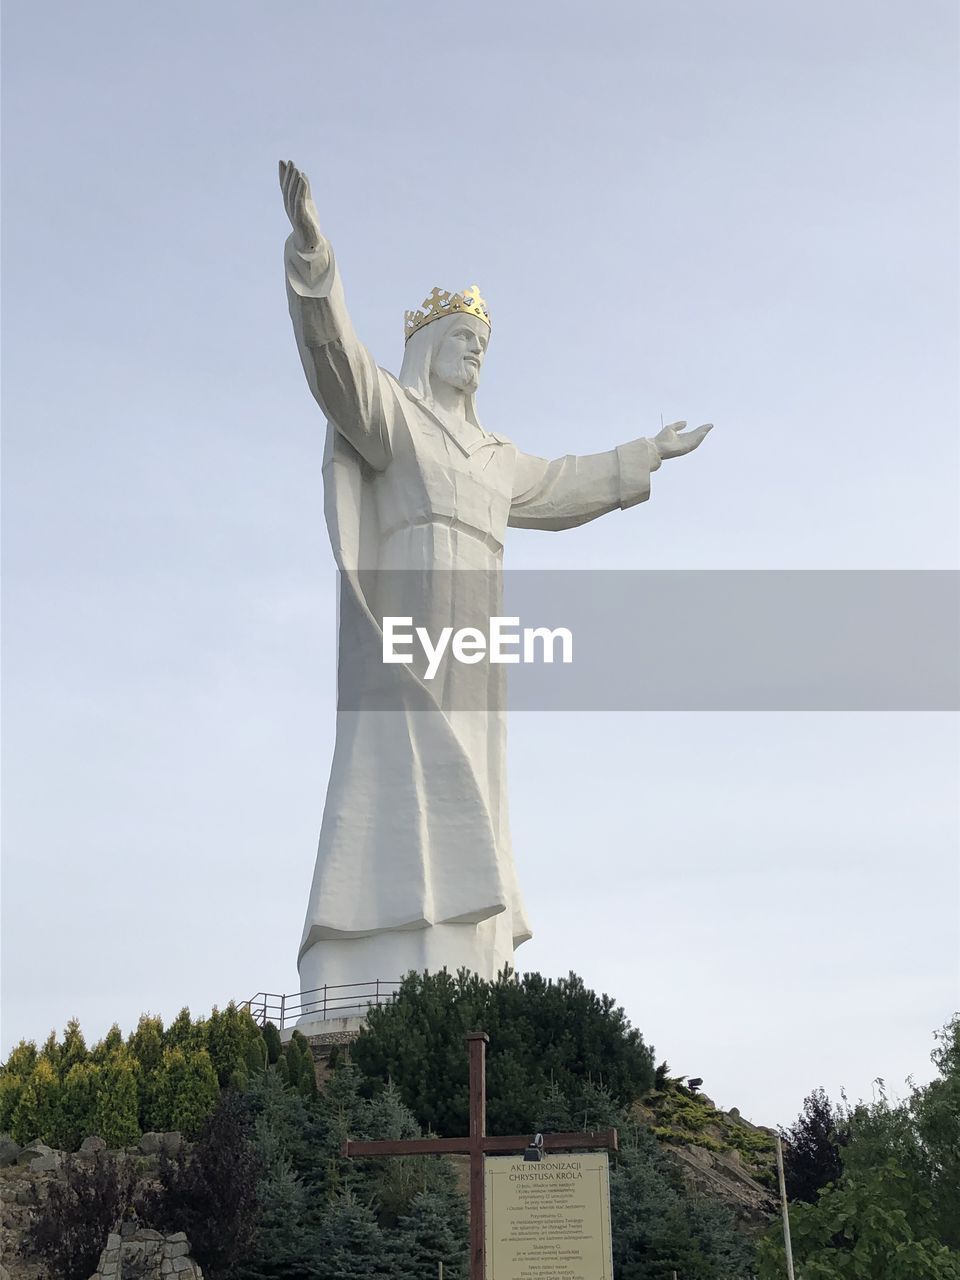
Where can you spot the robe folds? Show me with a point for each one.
(415, 832)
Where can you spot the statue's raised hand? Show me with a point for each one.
(674, 442)
(300, 208)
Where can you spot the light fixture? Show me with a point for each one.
(534, 1152)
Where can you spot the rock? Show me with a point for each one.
(32, 1150)
(92, 1146)
(171, 1142)
(46, 1164)
(149, 1144)
(9, 1151)
(179, 1250)
(178, 1237)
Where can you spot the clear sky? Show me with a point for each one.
(742, 213)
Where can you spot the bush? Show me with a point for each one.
(68, 1227)
(185, 1091)
(434, 1231)
(538, 1030)
(274, 1044)
(37, 1113)
(211, 1192)
(78, 1112)
(233, 1040)
(813, 1146)
(351, 1246)
(118, 1100)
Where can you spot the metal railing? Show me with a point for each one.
(350, 1000)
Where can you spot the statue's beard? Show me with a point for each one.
(464, 375)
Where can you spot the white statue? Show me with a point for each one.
(415, 868)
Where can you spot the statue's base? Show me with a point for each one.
(325, 1032)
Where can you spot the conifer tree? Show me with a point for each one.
(273, 1042)
(434, 1231)
(210, 1192)
(73, 1049)
(185, 1091)
(37, 1114)
(78, 1111)
(105, 1048)
(350, 1245)
(146, 1043)
(184, 1033)
(539, 1030)
(117, 1118)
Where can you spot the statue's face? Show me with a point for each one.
(459, 353)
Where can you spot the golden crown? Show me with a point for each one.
(440, 304)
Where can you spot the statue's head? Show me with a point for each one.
(458, 350)
(446, 341)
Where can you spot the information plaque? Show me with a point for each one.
(549, 1219)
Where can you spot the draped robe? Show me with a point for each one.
(415, 867)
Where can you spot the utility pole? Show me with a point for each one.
(784, 1209)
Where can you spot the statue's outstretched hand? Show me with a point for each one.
(300, 208)
(673, 441)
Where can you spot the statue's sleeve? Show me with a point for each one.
(342, 374)
(569, 491)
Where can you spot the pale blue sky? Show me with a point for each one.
(742, 213)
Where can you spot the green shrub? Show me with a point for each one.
(118, 1100)
(37, 1113)
(185, 1091)
(111, 1043)
(11, 1090)
(73, 1050)
(274, 1044)
(539, 1030)
(79, 1114)
(233, 1038)
(146, 1043)
(184, 1033)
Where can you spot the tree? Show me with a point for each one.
(14, 1074)
(37, 1113)
(350, 1245)
(118, 1100)
(859, 1230)
(184, 1033)
(658, 1228)
(234, 1042)
(539, 1031)
(812, 1147)
(109, 1045)
(274, 1044)
(184, 1091)
(146, 1043)
(73, 1050)
(211, 1192)
(936, 1113)
(892, 1214)
(434, 1231)
(78, 1110)
(70, 1222)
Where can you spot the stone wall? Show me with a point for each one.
(137, 1253)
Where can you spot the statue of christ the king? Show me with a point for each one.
(415, 869)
